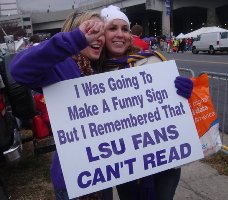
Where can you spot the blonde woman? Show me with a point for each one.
(69, 54)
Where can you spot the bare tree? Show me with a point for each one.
(11, 28)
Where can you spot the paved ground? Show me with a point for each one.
(199, 181)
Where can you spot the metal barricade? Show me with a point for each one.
(218, 84)
(186, 72)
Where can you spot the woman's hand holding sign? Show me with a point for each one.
(184, 86)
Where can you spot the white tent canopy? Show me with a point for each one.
(195, 33)
(180, 36)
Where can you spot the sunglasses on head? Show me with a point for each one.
(76, 14)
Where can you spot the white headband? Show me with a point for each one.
(113, 12)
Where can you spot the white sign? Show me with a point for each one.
(119, 126)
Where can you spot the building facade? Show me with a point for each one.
(8, 7)
(11, 17)
(158, 17)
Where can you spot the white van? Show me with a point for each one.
(211, 42)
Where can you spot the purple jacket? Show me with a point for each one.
(48, 63)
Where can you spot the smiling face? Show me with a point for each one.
(117, 37)
(93, 51)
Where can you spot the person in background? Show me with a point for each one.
(175, 45)
(119, 53)
(165, 46)
(34, 40)
(170, 46)
(137, 32)
(189, 44)
(161, 44)
(182, 45)
(68, 54)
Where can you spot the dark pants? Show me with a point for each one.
(127, 190)
(3, 195)
(160, 186)
(62, 194)
(142, 189)
(166, 183)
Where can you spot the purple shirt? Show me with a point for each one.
(48, 63)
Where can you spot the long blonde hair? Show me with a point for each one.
(75, 19)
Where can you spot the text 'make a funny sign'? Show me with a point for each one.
(119, 126)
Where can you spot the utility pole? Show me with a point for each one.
(169, 14)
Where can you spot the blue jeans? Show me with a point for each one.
(62, 194)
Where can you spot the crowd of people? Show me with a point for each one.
(170, 44)
(160, 43)
(85, 39)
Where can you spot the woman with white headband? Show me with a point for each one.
(118, 54)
